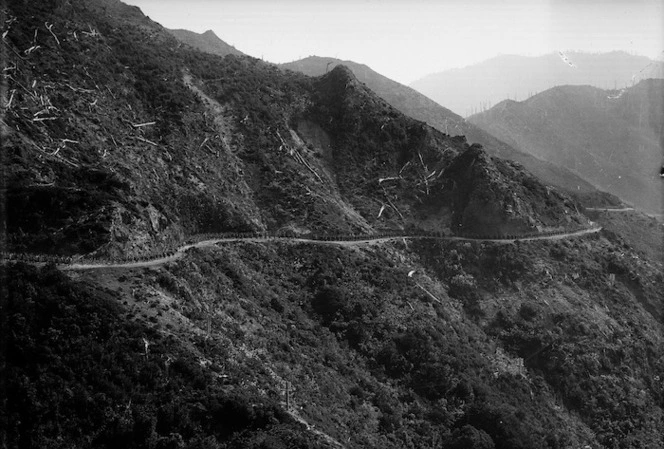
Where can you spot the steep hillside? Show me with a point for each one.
(124, 152)
(207, 42)
(480, 86)
(420, 107)
(378, 155)
(119, 142)
(614, 139)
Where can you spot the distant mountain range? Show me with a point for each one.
(479, 86)
(614, 139)
(207, 42)
(420, 107)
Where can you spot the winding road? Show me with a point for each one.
(212, 242)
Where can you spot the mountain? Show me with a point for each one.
(420, 107)
(479, 86)
(207, 42)
(197, 258)
(614, 139)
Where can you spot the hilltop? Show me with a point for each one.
(120, 142)
(611, 138)
(480, 86)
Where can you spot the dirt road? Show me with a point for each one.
(212, 242)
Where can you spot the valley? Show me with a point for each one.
(211, 251)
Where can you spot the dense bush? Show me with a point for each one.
(468, 437)
(75, 372)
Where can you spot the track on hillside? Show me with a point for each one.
(212, 242)
(610, 209)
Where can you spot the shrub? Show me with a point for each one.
(468, 437)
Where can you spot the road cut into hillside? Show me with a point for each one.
(369, 240)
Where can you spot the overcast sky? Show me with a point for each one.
(406, 40)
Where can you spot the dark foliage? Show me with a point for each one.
(75, 372)
(70, 219)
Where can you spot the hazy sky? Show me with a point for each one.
(406, 40)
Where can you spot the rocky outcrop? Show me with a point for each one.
(493, 196)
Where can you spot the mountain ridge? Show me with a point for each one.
(612, 138)
(479, 86)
